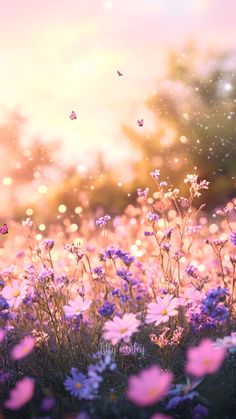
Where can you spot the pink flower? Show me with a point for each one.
(2, 335)
(160, 416)
(149, 386)
(76, 307)
(21, 394)
(121, 328)
(204, 359)
(23, 348)
(15, 293)
(162, 310)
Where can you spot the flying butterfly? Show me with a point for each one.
(140, 122)
(73, 115)
(119, 73)
(4, 229)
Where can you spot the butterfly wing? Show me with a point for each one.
(119, 73)
(4, 229)
(140, 122)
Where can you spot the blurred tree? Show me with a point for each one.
(195, 130)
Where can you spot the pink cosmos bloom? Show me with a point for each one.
(2, 335)
(160, 416)
(162, 310)
(190, 295)
(204, 359)
(76, 307)
(23, 348)
(121, 328)
(15, 293)
(149, 386)
(21, 394)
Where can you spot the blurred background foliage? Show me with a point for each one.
(193, 110)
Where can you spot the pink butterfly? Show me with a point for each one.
(73, 115)
(140, 122)
(119, 73)
(4, 229)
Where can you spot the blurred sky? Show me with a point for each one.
(59, 55)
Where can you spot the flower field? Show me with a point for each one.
(132, 316)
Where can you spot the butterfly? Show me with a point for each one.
(73, 115)
(119, 73)
(140, 122)
(4, 229)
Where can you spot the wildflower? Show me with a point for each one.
(98, 271)
(121, 328)
(78, 385)
(3, 303)
(27, 223)
(48, 244)
(23, 348)
(203, 359)
(142, 193)
(107, 309)
(163, 183)
(149, 386)
(101, 222)
(21, 394)
(155, 174)
(76, 307)
(126, 276)
(233, 238)
(162, 310)
(15, 293)
(227, 342)
(148, 233)
(45, 275)
(2, 335)
(191, 271)
(152, 217)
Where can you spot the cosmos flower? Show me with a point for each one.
(149, 386)
(121, 328)
(204, 359)
(162, 310)
(23, 348)
(79, 385)
(21, 394)
(76, 307)
(15, 293)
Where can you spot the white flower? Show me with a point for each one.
(76, 307)
(121, 328)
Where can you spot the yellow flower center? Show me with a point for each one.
(153, 392)
(164, 312)
(207, 362)
(16, 293)
(78, 385)
(123, 330)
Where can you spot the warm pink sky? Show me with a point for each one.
(59, 55)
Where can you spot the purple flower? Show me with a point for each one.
(79, 385)
(153, 217)
(190, 271)
(48, 244)
(142, 193)
(148, 233)
(233, 238)
(98, 270)
(107, 309)
(126, 276)
(45, 275)
(3, 303)
(101, 222)
(155, 173)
